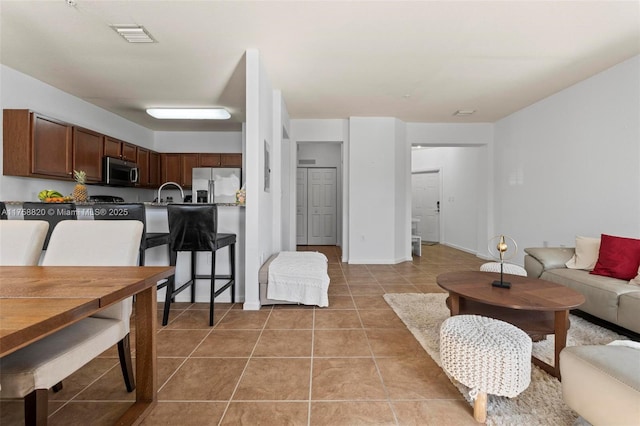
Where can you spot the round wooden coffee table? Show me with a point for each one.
(535, 306)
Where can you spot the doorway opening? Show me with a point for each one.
(316, 211)
(425, 206)
(318, 193)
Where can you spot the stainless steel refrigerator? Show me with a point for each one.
(215, 184)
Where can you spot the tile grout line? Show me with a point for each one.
(375, 363)
(313, 334)
(246, 365)
(116, 362)
(175, 371)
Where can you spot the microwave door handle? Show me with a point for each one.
(133, 175)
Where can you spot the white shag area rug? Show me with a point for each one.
(541, 403)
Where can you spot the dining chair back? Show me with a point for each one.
(29, 372)
(132, 211)
(53, 213)
(21, 241)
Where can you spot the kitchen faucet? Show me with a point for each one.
(170, 183)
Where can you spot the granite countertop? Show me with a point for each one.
(152, 204)
(91, 203)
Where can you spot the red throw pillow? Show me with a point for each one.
(619, 257)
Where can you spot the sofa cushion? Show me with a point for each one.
(601, 293)
(586, 256)
(628, 310)
(551, 257)
(619, 257)
(602, 383)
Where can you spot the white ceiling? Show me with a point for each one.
(419, 61)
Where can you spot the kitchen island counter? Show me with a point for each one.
(231, 221)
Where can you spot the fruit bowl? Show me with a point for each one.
(51, 196)
(58, 199)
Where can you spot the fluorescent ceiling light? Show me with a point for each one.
(461, 112)
(189, 113)
(133, 33)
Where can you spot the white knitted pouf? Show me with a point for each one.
(486, 355)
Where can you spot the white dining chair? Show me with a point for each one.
(29, 372)
(21, 241)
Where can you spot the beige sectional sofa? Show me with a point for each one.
(610, 299)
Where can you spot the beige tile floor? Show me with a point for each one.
(353, 363)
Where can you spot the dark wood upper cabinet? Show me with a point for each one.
(35, 145)
(209, 160)
(87, 153)
(230, 160)
(129, 152)
(188, 162)
(51, 147)
(154, 169)
(40, 146)
(143, 167)
(112, 147)
(170, 166)
(120, 149)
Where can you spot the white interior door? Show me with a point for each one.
(425, 204)
(301, 206)
(322, 208)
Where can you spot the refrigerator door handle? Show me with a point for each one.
(211, 194)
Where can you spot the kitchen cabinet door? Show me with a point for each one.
(170, 166)
(51, 147)
(209, 160)
(154, 169)
(188, 162)
(129, 152)
(87, 153)
(143, 167)
(231, 160)
(112, 147)
(17, 142)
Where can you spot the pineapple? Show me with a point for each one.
(80, 190)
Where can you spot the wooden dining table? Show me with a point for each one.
(36, 301)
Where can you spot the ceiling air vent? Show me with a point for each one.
(133, 33)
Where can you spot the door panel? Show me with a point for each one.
(322, 206)
(301, 206)
(425, 196)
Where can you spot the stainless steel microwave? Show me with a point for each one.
(117, 172)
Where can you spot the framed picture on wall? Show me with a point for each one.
(267, 168)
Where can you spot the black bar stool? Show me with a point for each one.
(132, 211)
(193, 227)
(53, 213)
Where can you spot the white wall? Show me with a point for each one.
(280, 172)
(570, 164)
(449, 134)
(198, 142)
(463, 198)
(259, 207)
(325, 154)
(372, 187)
(20, 91)
(402, 194)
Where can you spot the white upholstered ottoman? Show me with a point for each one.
(486, 355)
